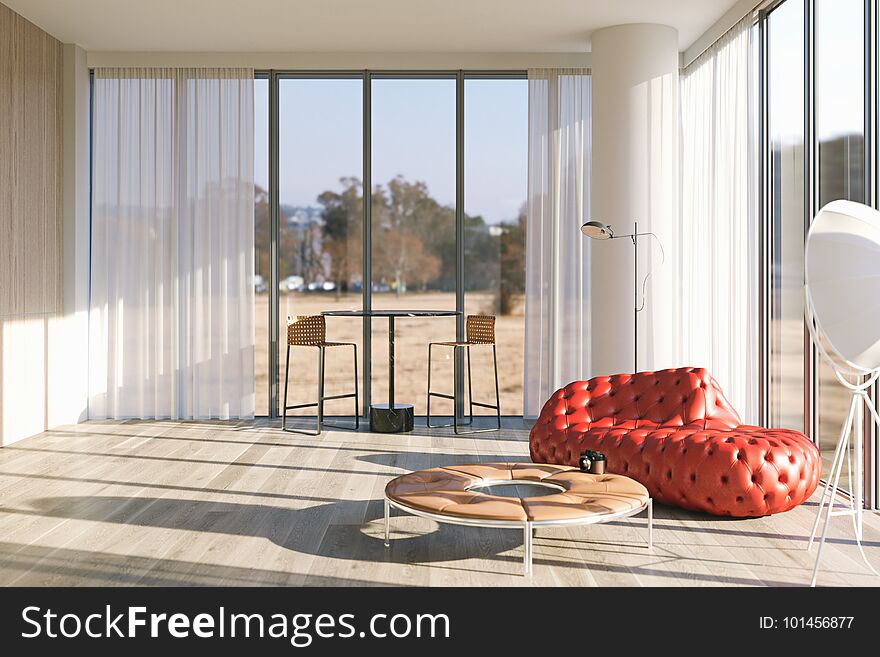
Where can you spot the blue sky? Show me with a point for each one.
(413, 135)
(839, 68)
(414, 120)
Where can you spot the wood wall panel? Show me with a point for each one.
(30, 168)
(31, 223)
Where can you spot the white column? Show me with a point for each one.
(634, 178)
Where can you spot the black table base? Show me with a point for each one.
(384, 419)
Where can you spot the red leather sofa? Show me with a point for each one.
(675, 432)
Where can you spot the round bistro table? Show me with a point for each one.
(392, 417)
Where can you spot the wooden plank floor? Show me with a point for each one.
(225, 503)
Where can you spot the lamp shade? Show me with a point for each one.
(597, 230)
(842, 277)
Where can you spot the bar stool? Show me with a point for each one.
(311, 331)
(479, 331)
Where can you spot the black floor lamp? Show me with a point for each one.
(599, 231)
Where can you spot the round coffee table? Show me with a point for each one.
(451, 495)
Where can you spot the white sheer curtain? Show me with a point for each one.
(718, 243)
(171, 331)
(557, 332)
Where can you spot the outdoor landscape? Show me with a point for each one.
(413, 267)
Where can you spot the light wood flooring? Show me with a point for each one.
(214, 503)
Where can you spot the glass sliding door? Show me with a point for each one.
(413, 242)
(262, 240)
(786, 103)
(320, 192)
(495, 183)
(840, 120)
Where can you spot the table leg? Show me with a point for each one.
(391, 361)
(391, 418)
(387, 523)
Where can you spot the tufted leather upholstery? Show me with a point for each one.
(675, 432)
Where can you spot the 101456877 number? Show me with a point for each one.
(817, 622)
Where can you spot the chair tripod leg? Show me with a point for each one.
(428, 409)
(838, 457)
(286, 378)
(835, 482)
(836, 476)
(497, 390)
(320, 390)
(357, 406)
(455, 392)
(470, 389)
(855, 486)
(387, 523)
(854, 497)
(470, 421)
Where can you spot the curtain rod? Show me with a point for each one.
(760, 5)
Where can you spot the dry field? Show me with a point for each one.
(411, 339)
(413, 335)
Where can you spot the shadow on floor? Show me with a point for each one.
(335, 530)
(409, 461)
(344, 530)
(33, 565)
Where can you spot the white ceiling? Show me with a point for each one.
(356, 25)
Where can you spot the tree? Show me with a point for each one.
(513, 262)
(411, 239)
(400, 257)
(342, 221)
(480, 255)
(262, 232)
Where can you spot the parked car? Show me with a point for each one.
(259, 284)
(292, 284)
(321, 286)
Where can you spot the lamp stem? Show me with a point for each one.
(635, 298)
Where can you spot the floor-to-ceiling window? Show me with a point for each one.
(495, 180)
(786, 89)
(320, 224)
(442, 228)
(840, 136)
(262, 241)
(413, 122)
(816, 147)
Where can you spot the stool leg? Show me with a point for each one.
(320, 389)
(527, 549)
(470, 394)
(428, 409)
(497, 391)
(455, 393)
(470, 388)
(286, 377)
(357, 406)
(650, 524)
(387, 523)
